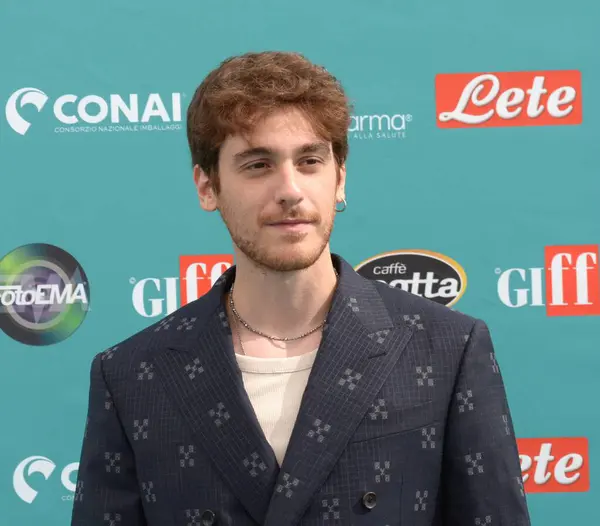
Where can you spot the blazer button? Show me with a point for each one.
(208, 518)
(369, 500)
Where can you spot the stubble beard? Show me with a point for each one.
(272, 260)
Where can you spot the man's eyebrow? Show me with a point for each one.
(314, 147)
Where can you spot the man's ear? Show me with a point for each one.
(340, 193)
(205, 189)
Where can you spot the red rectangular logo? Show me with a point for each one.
(553, 465)
(572, 280)
(197, 274)
(522, 98)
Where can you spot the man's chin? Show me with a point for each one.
(287, 259)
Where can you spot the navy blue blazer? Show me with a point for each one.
(404, 421)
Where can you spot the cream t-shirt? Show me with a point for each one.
(275, 387)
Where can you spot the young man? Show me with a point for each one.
(295, 392)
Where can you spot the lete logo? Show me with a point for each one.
(538, 98)
(46, 467)
(555, 465)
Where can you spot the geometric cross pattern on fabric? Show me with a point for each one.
(194, 368)
(474, 465)
(506, 426)
(109, 353)
(146, 371)
(351, 378)
(414, 321)
(332, 510)
(219, 415)
(113, 462)
(421, 500)
(194, 516)
(519, 480)
(147, 488)
(352, 303)
(164, 324)
(424, 373)
(108, 402)
(78, 491)
(141, 430)
(379, 336)
(429, 440)
(224, 320)
(112, 519)
(382, 472)
(495, 366)
(289, 483)
(378, 409)
(187, 454)
(253, 463)
(464, 401)
(186, 324)
(319, 431)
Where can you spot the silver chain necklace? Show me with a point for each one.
(260, 333)
(239, 335)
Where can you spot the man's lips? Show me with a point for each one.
(290, 222)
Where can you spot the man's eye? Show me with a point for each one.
(311, 161)
(257, 166)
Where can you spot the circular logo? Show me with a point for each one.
(421, 272)
(44, 294)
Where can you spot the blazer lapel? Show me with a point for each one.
(194, 357)
(359, 347)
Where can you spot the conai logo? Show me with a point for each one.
(46, 467)
(92, 109)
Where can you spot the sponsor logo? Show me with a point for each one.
(94, 113)
(384, 126)
(572, 278)
(153, 297)
(551, 465)
(44, 294)
(46, 467)
(523, 98)
(422, 272)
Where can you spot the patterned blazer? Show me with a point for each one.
(404, 421)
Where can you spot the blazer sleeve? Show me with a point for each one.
(481, 476)
(107, 490)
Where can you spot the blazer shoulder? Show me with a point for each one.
(135, 347)
(408, 307)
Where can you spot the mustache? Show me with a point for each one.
(293, 215)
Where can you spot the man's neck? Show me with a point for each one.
(284, 304)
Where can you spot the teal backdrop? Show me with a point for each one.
(119, 198)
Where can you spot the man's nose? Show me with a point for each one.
(289, 190)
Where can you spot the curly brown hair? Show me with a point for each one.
(245, 88)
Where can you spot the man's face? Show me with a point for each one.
(278, 191)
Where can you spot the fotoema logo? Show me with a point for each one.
(93, 113)
(44, 294)
(384, 126)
